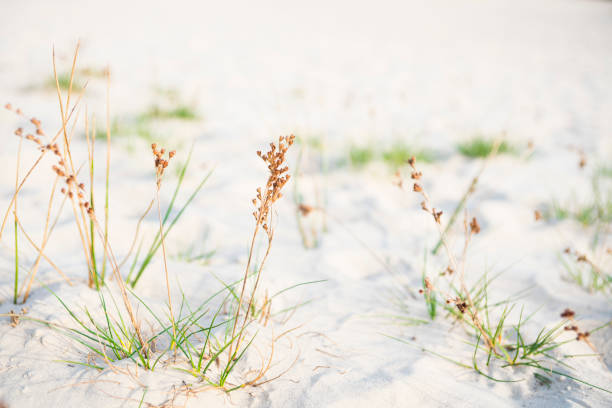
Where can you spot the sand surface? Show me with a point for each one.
(427, 73)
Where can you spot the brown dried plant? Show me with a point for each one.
(66, 172)
(160, 166)
(264, 200)
(465, 305)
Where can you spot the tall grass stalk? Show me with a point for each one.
(166, 225)
(16, 284)
(107, 183)
(263, 214)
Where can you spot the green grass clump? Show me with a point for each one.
(63, 80)
(585, 273)
(509, 345)
(587, 214)
(395, 156)
(399, 154)
(179, 111)
(361, 156)
(482, 147)
(597, 211)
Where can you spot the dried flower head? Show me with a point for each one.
(160, 162)
(537, 215)
(411, 162)
(568, 313)
(277, 178)
(305, 209)
(582, 336)
(436, 215)
(474, 227)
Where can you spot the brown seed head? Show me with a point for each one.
(436, 215)
(582, 335)
(568, 313)
(474, 227)
(278, 177)
(305, 209)
(412, 161)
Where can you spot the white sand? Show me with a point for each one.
(355, 73)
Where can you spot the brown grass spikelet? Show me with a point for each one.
(568, 313)
(411, 162)
(436, 215)
(275, 158)
(474, 226)
(537, 215)
(582, 336)
(277, 178)
(305, 209)
(160, 162)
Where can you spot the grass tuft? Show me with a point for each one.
(480, 147)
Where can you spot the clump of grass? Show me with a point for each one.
(583, 271)
(399, 153)
(169, 106)
(66, 172)
(394, 156)
(480, 146)
(180, 111)
(113, 332)
(495, 341)
(64, 81)
(134, 127)
(361, 156)
(595, 212)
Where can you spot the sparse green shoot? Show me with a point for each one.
(480, 147)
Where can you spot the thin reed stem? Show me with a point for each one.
(16, 284)
(163, 246)
(107, 184)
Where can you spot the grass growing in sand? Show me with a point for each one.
(211, 338)
(497, 336)
(480, 146)
(394, 156)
